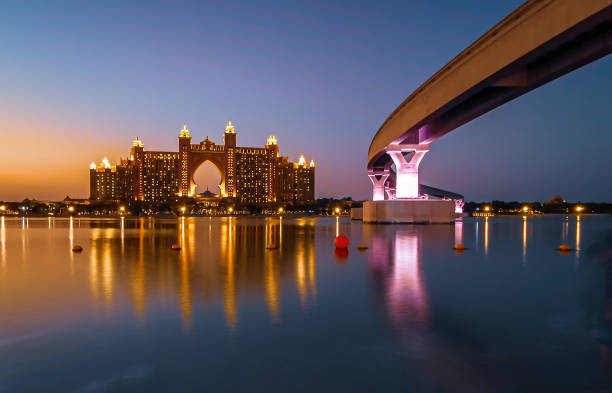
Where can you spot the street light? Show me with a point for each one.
(122, 209)
(71, 209)
(579, 209)
(525, 208)
(280, 209)
(337, 210)
(487, 208)
(2, 208)
(183, 209)
(230, 210)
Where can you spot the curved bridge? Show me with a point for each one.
(538, 42)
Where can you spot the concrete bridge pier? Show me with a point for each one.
(405, 204)
(407, 169)
(378, 179)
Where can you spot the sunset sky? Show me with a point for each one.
(80, 80)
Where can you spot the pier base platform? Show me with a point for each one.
(409, 211)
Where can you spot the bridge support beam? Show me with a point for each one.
(407, 170)
(378, 183)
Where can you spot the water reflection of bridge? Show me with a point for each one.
(449, 314)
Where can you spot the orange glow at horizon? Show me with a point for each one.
(50, 162)
(50, 157)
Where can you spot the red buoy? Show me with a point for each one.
(341, 242)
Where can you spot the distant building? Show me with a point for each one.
(254, 175)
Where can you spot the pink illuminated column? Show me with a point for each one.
(407, 171)
(378, 183)
(459, 203)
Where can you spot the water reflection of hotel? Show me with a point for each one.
(227, 258)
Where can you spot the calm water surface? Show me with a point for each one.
(225, 314)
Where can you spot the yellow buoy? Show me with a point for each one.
(176, 247)
(77, 248)
(565, 247)
(362, 246)
(459, 247)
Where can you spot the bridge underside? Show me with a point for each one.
(396, 152)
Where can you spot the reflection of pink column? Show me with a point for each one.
(458, 231)
(378, 183)
(406, 291)
(407, 171)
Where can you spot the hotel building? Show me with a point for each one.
(252, 175)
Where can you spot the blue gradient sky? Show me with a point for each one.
(79, 81)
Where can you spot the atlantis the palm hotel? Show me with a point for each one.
(250, 175)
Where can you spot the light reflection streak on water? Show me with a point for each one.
(3, 242)
(312, 272)
(71, 244)
(139, 277)
(272, 276)
(486, 236)
(406, 292)
(107, 270)
(337, 226)
(185, 301)
(408, 311)
(229, 288)
(300, 273)
(182, 231)
(459, 231)
(101, 268)
(122, 236)
(210, 232)
(24, 225)
(577, 236)
(93, 265)
(280, 235)
(524, 238)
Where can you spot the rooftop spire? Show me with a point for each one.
(229, 128)
(272, 140)
(185, 132)
(137, 142)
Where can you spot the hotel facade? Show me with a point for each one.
(251, 175)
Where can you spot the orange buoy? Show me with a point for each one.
(362, 247)
(565, 247)
(176, 247)
(77, 248)
(341, 242)
(271, 246)
(459, 247)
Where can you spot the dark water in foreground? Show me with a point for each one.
(128, 314)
